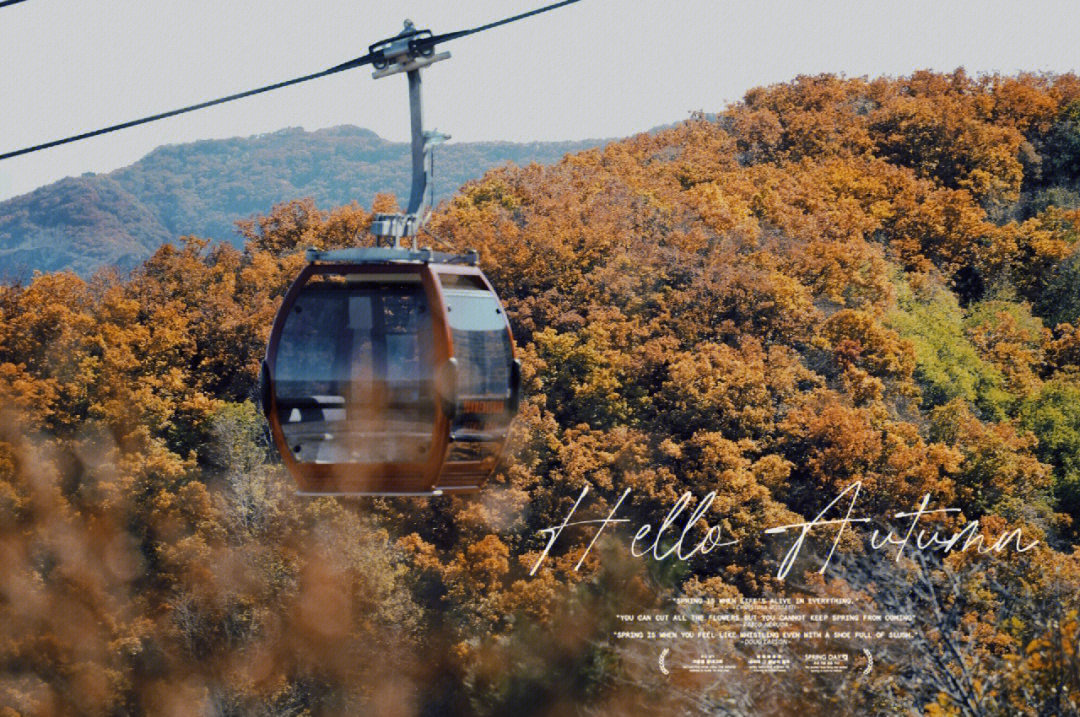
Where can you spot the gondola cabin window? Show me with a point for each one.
(482, 347)
(353, 383)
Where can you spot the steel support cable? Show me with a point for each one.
(462, 33)
(351, 64)
(190, 108)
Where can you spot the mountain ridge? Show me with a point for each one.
(202, 188)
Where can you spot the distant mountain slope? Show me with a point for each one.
(202, 188)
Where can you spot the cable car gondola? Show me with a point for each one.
(390, 371)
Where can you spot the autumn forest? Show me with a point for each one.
(832, 281)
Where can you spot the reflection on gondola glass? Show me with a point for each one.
(484, 354)
(352, 377)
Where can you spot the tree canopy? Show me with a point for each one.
(834, 280)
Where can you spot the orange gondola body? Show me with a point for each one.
(390, 372)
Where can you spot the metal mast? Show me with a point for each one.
(406, 53)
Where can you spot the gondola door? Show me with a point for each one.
(352, 403)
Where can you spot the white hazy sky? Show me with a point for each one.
(601, 68)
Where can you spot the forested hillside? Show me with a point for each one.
(203, 188)
(834, 280)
